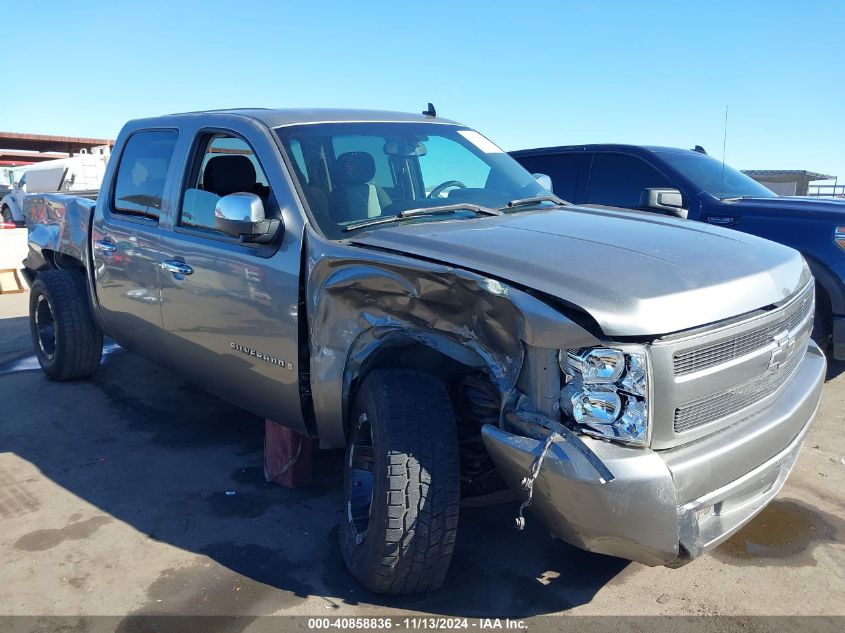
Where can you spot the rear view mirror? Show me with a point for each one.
(241, 215)
(544, 180)
(668, 201)
(401, 147)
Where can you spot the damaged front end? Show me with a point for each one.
(605, 474)
(595, 495)
(612, 497)
(579, 428)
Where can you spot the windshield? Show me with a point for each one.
(354, 172)
(705, 172)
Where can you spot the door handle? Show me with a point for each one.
(105, 245)
(176, 267)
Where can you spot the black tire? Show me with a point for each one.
(7, 214)
(402, 541)
(822, 332)
(67, 342)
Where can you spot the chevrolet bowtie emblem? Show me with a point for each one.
(785, 346)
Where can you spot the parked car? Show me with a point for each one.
(398, 285)
(690, 184)
(80, 173)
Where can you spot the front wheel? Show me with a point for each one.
(68, 344)
(7, 214)
(401, 484)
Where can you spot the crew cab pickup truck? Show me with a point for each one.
(690, 184)
(399, 286)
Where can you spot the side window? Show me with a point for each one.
(139, 184)
(225, 164)
(618, 180)
(561, 168)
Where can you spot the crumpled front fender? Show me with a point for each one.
(358, 299)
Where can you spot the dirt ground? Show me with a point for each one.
(116, 499)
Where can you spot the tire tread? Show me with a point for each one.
(79, 342)
(414, 547)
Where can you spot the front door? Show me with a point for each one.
(619, 180)
(230, 309)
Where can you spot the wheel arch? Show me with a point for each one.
(830, 283)
(11, 204)
(427, 351)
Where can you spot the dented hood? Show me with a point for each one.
(635, 273)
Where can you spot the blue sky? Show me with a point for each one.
(523, 73)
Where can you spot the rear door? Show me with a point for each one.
(126, 242)
(231, 323)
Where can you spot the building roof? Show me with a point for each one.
(785, 175)
(49, 143)
(12, 157)
(25, 149)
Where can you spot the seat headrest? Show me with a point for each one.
(229, 174)
(356, 168)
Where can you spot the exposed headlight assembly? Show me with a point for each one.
(606, 393)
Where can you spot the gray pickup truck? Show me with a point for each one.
(398, 285)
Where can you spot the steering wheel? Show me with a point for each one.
(435, 193)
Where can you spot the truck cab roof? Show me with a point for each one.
(279, 117)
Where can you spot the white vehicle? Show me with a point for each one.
(80, 173)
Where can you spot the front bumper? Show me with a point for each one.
(667, 507)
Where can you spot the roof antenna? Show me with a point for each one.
(724, 144)
(430, 111)
(699, 149)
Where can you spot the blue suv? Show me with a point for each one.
(690, 184)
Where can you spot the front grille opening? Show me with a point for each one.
(696, 414)
(689, 361)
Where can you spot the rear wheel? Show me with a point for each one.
(7, 214)
(401, 484)
(67, 342)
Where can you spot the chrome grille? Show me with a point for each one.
(695, 414)
(689, 361)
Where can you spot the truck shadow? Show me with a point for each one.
(834, 368)
(185, 469)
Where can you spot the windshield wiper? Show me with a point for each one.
(423, 211)
(526, 202)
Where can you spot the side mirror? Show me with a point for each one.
(241, 215)
(544, 180)
(668, 201)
